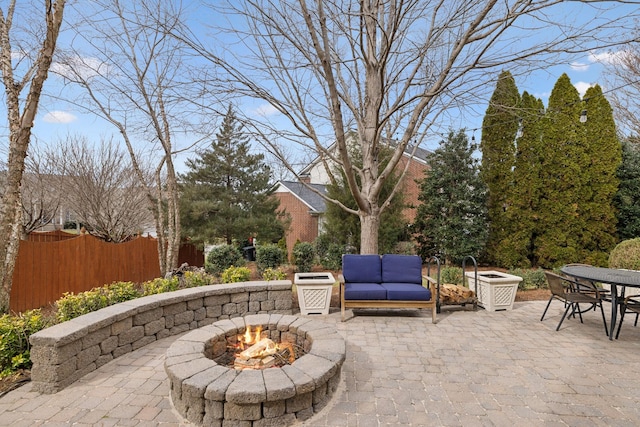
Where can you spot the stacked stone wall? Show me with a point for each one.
(64, 353)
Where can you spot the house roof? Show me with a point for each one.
(315, 202)
(420, 155)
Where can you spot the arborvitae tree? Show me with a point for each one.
(227, 194)
(344, 228)
(601, 157)
(516, 249)
(451, 220)
(561, 170)
(499, 129)
(627, 199)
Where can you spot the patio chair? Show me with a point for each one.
(573, 293)
(631, 304)
(605, 293)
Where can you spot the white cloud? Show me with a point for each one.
(266, 110)
(579, 66)
(582, 87)
(84, 67)
(59, 117)
(612, 58)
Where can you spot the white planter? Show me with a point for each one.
(496, 290)
(314, 292)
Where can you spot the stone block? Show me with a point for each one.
(109, 344)
(229, 309)
(179, 329)
(299, 403)
(214, 312)
(217, 390)
(121, 350)
(247, 387)
(254, 306)
(216, 300)
(248, 412)
(147, 316)
(284, 420)
(130, 335)
(258, 296)
(148, 339)
(279, 386)
(274, 409)
(176, 308)
(88, 356)
(96, 337)
(154, 326)
(195, 304)
(119, 327)
(200, 314)
(182, 318)
(267, 305)
(103, 360)
(240, 297)
(303, 382)
(213, 412)
(242, 308)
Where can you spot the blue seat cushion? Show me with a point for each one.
(361, 268)
(364, 291)
(406, 292)
(401, 269)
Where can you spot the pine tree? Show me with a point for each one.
(516, 249)
(499, 129)
(627, 199)
(451, 219)
(227, 194)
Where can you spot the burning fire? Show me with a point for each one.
(258, 353)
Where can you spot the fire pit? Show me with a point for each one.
(252, 389)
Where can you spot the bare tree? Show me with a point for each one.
(623, 75)
(134, 76)
(100, 189)
(41, 195)
(23, 77)
(390, 69)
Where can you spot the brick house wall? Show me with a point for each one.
(411, 188)
(304, 226)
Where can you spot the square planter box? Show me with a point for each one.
(496, 290)
(314, 292)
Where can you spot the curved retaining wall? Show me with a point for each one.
(67, 351)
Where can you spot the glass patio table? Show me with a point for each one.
(610, 276)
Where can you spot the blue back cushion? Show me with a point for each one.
(361, 268)
(401, 269)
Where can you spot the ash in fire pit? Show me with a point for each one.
(206, 392)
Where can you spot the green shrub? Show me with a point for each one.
(221, 258)
(282, 244)
(321, 245)
(236, 274)
(14, 339)
(531, 279)
(332, 258)
(193, 279)
(303, 255)
(404, 248)
(271, 274)
(73, 305)
(160, 285)
(452, 275)
(268, 256)
(626, 255)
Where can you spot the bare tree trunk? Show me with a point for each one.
(369, 227)
(20, 124)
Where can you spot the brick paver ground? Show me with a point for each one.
(471, 369)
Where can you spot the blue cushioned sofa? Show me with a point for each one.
(387, 281)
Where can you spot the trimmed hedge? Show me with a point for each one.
(626, 255)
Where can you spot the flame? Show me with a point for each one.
(249, 337)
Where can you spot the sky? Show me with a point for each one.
(56, 120)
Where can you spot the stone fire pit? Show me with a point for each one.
(207, 393)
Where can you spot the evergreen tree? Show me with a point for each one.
(516, 248)
(499, 129)
(627, 199)
(343, 228)
(451, 219)
(226, 194)
(598, 163)
(562, 145)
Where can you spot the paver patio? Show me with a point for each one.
(470, 369)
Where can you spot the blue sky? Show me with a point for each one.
(56, 120)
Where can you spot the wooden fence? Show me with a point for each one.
(45, 270)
